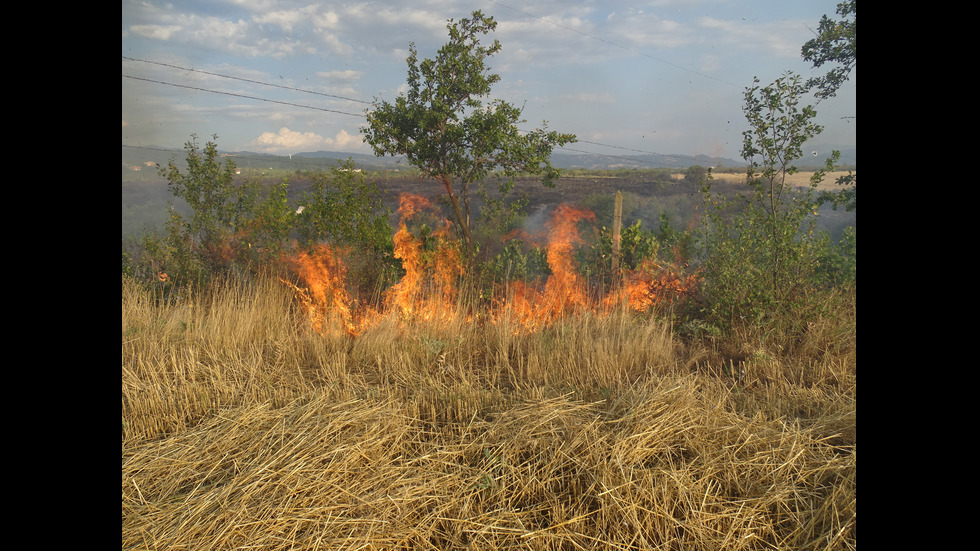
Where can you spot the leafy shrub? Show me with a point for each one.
(344, 209)
(517, 261)
(760, 252)
(838, 261)
(237, 228)
(636, 246)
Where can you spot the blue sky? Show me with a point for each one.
(625, 76)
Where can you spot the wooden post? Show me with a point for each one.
(616, 237)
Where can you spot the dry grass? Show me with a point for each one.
(829, 183)
(242, 428)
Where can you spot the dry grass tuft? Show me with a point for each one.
(243, 428)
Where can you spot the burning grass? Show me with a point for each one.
(278, 414)
(243, 426)
(430, 287)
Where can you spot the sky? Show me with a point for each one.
(625, 76)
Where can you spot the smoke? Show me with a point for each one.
(534, 223)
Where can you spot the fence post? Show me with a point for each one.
(616, 238)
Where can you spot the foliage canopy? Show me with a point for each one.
(836, 42)
(445, 129)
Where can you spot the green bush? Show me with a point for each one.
(238, 228)
(518, 261)
(760, 253)
(838, 260)
(345, 210)
(342, 207)
(636, 245)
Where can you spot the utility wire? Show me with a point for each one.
(619, 147)
(340, 97)
(244, 79)
(243, 96)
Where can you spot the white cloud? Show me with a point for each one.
(290, 141)
(156, 32)
(326, 20)
(335, 44)
(346, 142)
(287, 140)
(588, 98)
(341, 76)
(286, 20)
(778, 38)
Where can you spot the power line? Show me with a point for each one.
(333, 110)
(619, 147)
(245, 80)
(243, 96)
(526, 13)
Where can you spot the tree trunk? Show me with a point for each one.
(461, 220)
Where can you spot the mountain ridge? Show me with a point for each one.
(314, 160)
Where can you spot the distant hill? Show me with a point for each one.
(568, 160)
(323, 160)
(848, 155)
(361, 159)
(559, 159)
(651, 160)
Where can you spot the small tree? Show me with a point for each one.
(444, 129)
(207, 187)
(760, 247)
(200, 244)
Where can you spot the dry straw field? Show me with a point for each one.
(829, 182)
(244, 428)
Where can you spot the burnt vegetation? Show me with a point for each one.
(273, 405)
(326, 358)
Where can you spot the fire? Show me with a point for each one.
(410, 296)
(651, 284)
(403, 294)
(429, 289)
(448, 266)
(564, 292)
(325, 297)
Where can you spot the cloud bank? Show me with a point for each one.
(290, 141)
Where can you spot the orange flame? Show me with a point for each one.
(409, 296)
(428, 290)
(564, 291)
(325, 295)
(651, 284)
(403, 293)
